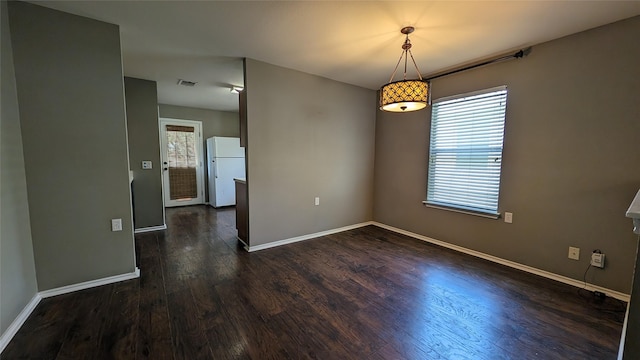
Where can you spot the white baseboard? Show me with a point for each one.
(90, 284)
(546, 274)
(244, 244)
(19, 321)
(306, 237)
(563, 279)
(150, 228)
(28, 309)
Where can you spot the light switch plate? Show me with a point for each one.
(116, 224)
(146, 165)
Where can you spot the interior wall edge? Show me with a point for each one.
(17, 323)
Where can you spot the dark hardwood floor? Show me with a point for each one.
(361, 294)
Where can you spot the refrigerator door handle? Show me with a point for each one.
(215, 169)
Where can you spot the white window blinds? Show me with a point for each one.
(465, 151)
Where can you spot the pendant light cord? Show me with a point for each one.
(406, 49)
(416, 65)
(396, 69)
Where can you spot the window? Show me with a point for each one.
(465, 151)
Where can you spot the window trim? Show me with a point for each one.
(487, 215)
(461, 209)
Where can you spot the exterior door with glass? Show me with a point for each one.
(182, 162)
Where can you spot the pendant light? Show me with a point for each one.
(405, 95)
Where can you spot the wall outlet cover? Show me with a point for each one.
(574, 253)
(597, 260)
(146, 165)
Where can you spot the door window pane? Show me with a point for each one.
(182, 162)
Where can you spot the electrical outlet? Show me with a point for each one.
(317, 201)
(116, 224)
(597, 260)
(147, 164)
(508, 217)
(574, 253)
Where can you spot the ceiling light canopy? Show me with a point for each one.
(405, 95)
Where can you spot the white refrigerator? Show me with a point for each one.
(225, 162)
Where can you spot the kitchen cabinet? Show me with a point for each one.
(242, 211)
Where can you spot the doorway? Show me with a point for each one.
(182, 162)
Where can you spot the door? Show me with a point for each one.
(182, 162)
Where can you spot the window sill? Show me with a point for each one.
(462, 211)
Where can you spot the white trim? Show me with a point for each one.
(162, 190)
(28, 309)
(306, 237)
(19, 321)
(150, 228)
(495, 216)
(244, 244)
(563, 279)
(89, 284)
(624, 334)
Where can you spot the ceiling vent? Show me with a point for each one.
(186, 83)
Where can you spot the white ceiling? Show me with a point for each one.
(356, 42)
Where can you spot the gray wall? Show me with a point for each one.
(570, 166)
(71, 102)
(214, 123)
(144, 144)
(17, 270)
(308, 136)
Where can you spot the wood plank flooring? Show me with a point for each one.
(362, 294)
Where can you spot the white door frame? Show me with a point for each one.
(200, 160)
